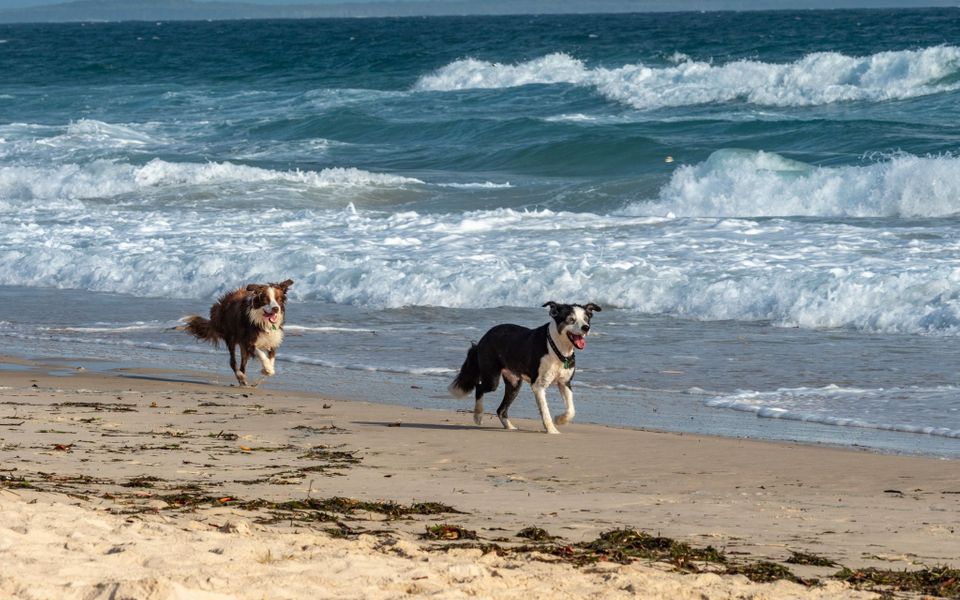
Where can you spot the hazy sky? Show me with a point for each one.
(761, 4)
(26, 3)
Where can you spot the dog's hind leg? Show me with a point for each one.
(540, 393)
(242, 372)
(487, 384)
(478, 408)
(512, 388)
(241, 377)
(566, 392)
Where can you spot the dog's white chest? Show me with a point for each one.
(551, 370)
(270, 339)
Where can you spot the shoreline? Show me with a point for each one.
(157, 445)
(353, 353)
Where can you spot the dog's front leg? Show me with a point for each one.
(566, 392)
(540, 393)
(266, 361)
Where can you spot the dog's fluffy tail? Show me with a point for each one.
(200, 328)
(469, 375)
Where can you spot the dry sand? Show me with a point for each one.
(135, 484)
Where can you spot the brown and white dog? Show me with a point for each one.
(251, 318)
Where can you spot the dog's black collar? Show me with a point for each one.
(569, 362)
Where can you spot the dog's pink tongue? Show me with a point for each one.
(272, 317)
(580, 342)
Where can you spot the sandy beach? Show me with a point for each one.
(150, 484)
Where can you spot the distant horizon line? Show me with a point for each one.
(118, 11)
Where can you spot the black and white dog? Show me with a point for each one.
(540, 356)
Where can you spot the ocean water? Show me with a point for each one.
(767, 205)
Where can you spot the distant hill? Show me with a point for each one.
(189, 10)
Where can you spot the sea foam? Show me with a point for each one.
(816, 79)
(104, 178)
(792, 273)
(745, 183)
(917, 410)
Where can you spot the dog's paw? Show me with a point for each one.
(563, 419)
(553, 431)
(478, 418)
(507, 424)
(267, 372)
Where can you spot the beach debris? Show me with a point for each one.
(765, 572)
(330, 455)
(808, 558)
(623, 545)
(239, 527)
(323, 429)
(106, 406)
(668, 159)
(535, 534)
(144, 481)
(940, 581)
(15, 483)
(446, 532)
(62, 447)
(189, 499)
(343, 505)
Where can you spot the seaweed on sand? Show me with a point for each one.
(808, 558)
(940, 581)
(624, 545)
(535, 534)
(341, 505)
(765, 572)
(446, 532)
(107, 406)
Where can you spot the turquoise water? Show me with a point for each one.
(721, 176)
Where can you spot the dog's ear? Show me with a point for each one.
(553, 307)
(253, 287)
(283, 285)
(591, 307)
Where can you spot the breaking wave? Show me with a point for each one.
(816, 79)
(107, 178)
(745, 183)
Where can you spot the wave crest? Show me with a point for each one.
(816, 79)
(69, 183)
(745, 183)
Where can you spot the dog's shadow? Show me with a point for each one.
(450, 427)
(169, 379)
